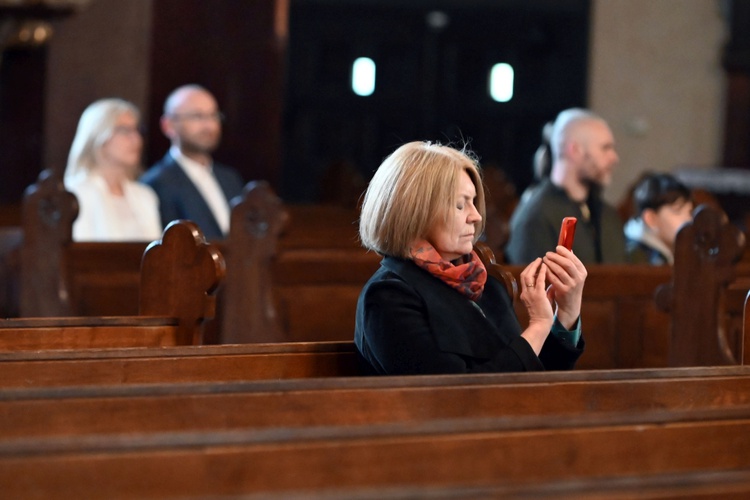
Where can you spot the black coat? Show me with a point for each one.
(180, 199)
(410, 322)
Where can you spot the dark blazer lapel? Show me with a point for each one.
(194, 203)
(230, 185)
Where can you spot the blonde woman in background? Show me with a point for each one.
(104, 160)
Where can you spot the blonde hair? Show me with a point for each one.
(414, 189)
(96, 126)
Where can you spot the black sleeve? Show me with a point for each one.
(559, 355)
(168, 208)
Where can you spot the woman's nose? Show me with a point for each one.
(474, 215)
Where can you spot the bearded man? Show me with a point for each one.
(583, 158)
(189, 183)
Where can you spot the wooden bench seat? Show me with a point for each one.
(502, 451)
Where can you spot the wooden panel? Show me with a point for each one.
(83, 337)
(313, 313)
(599, 324)
(462, 452)
(104, 410)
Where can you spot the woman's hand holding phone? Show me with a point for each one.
(566, 274)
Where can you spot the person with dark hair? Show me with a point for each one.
(662, 204)
(431, 308)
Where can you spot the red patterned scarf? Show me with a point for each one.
(468, 278)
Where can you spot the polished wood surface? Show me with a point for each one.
(179, 275)
(439, 453)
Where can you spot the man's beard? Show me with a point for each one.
(593, 182)
(188, 146)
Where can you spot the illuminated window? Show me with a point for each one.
(501, 82)
(363, 76)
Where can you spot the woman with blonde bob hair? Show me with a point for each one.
(431, 307)
(103, 162)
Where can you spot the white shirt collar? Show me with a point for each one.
(207, 184)
(186, 161)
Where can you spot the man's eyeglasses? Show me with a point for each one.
(198, 117)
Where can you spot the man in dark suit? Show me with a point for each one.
(190, 185)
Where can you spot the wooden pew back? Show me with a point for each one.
(622, 325)
(48, 213)
(706, 251)
(248, 312)
(179, 277)
(316, 278)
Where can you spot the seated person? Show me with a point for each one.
(662, 204)
(189, 183)
(103, 162)
(583, 157)
(431, 308)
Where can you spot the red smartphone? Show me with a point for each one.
(567, 232)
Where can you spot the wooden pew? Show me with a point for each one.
(47, 447)
(248, 312)
(206, 363)
(222, 445)
(179, 277)
(706, 251)
(339, 358)
(48, 212)
(61, 278)
(172, 407)
(314, 288)
(502, 451)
